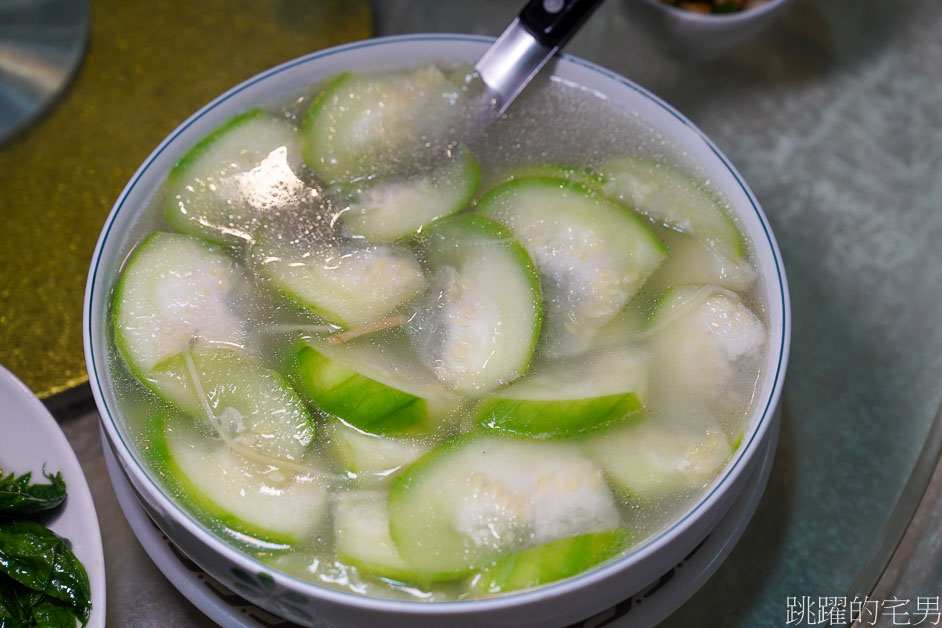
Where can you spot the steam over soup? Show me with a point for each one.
(401, 365)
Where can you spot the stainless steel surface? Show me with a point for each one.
(904, 529)
(510, 64)
(42, 43)
(908, 565)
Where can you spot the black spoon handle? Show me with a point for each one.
(554, 22)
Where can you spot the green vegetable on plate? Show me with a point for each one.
(42, 583)
(20, 497)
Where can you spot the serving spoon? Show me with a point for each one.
(541, 29)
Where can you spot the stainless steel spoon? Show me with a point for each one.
(540, 31)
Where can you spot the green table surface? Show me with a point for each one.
(149, 66)
(833, 116)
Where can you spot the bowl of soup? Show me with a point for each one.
(363, 365)
(702, 31)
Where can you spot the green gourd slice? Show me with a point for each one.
(361, 530)
(552, 561)
(346, 283)
(244, 167)
(590, 179)
(570, 397)
(255, 406)
(479, 329)
(670, 196)
(371, 459)
(176, 293)
(709, 342)
(400, 207)
(592, 255)
(281, 505)
(366, 125)
(660, 457)
(368, 389)
(692, 261)
(476, 498)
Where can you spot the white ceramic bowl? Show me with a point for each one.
(697, 36)
(301, 601)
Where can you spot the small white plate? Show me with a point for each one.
(31, 439)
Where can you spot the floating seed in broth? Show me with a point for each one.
(408, 364)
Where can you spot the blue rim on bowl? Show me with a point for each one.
(98, 291)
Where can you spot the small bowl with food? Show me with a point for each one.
(702, 30)
(362, 366)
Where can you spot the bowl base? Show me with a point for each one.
(647, 607)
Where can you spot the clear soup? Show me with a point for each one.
(407, 366)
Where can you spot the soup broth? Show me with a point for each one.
(407, 366)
